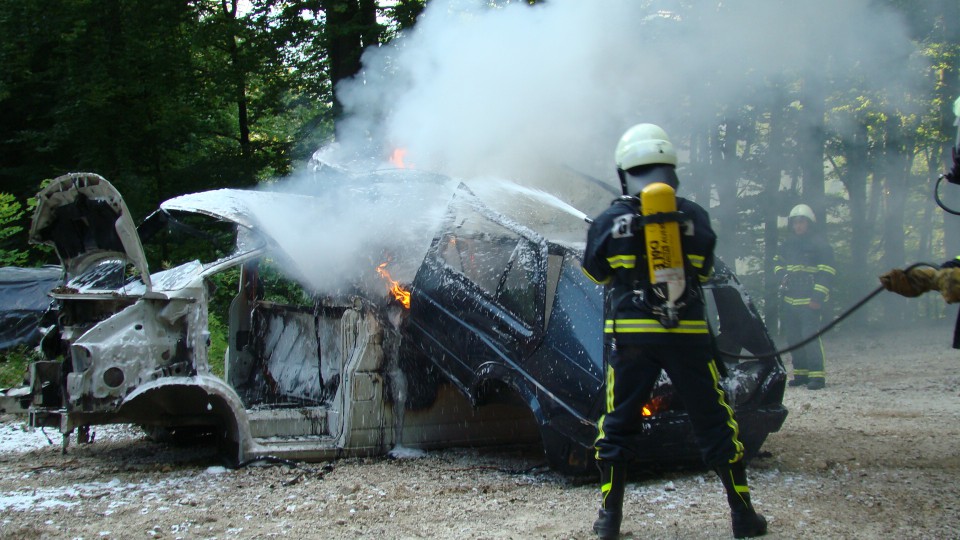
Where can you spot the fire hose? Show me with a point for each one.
(837, 320)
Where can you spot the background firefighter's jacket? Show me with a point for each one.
(804, 269)
(615, 256)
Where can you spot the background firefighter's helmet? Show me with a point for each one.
(802, 210)
(645, 155)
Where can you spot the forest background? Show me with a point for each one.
(166, 98)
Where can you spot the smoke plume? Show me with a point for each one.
(538, 94)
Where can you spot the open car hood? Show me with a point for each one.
(85, 219)
(236, 205)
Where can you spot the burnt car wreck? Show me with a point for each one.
(493, 337)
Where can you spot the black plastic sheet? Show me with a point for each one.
(24, 298)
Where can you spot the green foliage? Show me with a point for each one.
(281, 289)
(14, 364)
(11, 214)
(161, 98)
(224, 285)
(216, 354)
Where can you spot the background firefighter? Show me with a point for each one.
(639, 341)
(804, 268)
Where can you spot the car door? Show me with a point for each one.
(478, 297)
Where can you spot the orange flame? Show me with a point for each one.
(397, 158)
(653, 406)
(398, 292)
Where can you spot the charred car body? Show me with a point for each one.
(500, 343)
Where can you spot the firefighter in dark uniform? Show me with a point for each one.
(804, 268)
(642, 337)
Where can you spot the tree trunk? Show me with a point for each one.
(229, 8)
(855, 181)
(724, 158)
(770, 210)
(812, 143)
(350, 26)
(895, 194)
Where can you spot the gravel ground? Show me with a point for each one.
(874, 455)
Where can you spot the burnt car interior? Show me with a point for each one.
(288, 347)
(283, 342)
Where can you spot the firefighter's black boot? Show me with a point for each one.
(747, 523)
(613, 480)
(799, 380)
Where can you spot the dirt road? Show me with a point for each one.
(874, 455)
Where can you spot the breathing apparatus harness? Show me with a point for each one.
(664, 291)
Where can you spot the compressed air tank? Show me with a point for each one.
(664, 252)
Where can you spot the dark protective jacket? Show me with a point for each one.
(804, 268)
(615, 256)
(954, 263)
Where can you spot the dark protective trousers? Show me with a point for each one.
(799, 323)
(632, 371)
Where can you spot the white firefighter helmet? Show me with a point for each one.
(645, 155)
(802, 210)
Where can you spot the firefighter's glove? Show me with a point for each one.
(912, 283)
(948, 282)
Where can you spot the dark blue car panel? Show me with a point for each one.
(488, 303)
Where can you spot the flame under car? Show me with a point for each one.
(500, 343)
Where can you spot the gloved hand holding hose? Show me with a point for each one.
(916, 281)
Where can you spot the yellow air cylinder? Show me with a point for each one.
(664, 251)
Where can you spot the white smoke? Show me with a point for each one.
(518, 90)
(532, 93)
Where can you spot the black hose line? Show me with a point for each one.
(826, 328)
(936, 196)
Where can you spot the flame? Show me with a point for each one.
(653, 406)
(398, 292)
(397, 158)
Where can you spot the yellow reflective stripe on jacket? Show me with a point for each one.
(622, 261)
(804, 268)
(635, 326)
(827, 268)
(822, 289)
(610, 382)
(796, 301)
(697, 261)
